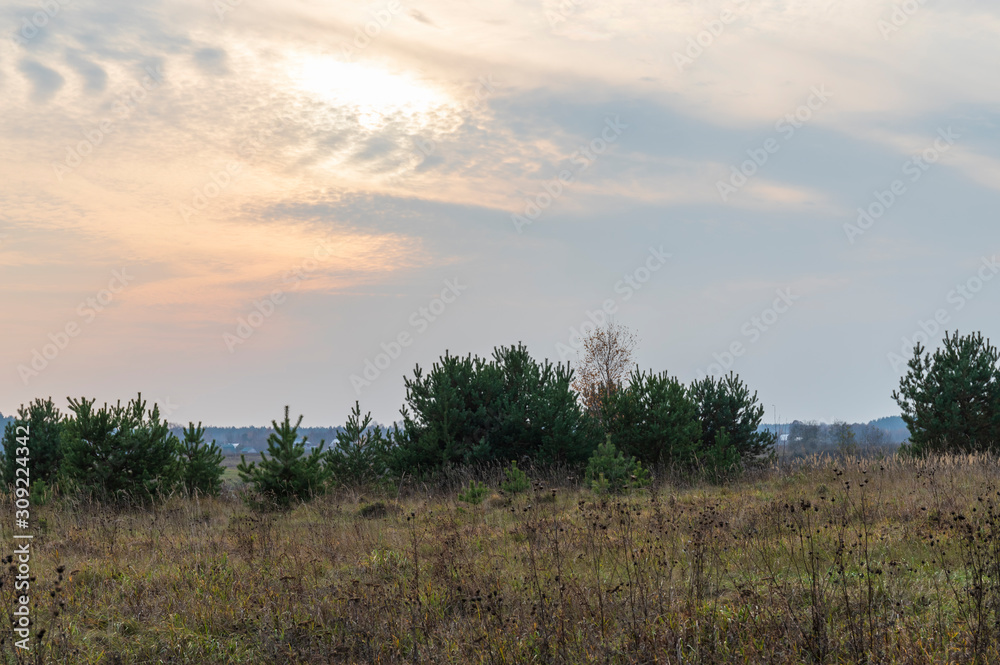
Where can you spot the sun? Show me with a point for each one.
(376, 95)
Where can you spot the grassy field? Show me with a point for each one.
(891, 561)
(230, 462)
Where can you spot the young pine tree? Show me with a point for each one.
(609, 470)
(654, 419)
(200, 463)
(951, 399)
(360, 453)
(119, 453)
(472, 409)
(730, 416)
(44, 423)
(286, 473)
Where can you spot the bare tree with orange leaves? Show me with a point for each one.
(603, 362)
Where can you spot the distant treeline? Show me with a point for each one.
(815, 436)
(808, 437)
(256, 437)
(243, 437)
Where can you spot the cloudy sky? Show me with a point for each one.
(234, 205)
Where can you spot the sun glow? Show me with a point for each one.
(376, 95)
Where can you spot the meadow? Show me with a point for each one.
(820, 560)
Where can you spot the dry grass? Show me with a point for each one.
(892, 561)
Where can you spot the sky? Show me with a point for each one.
(235, 205)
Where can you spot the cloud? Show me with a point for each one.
(420, 16)
(211, 61)
(45, 81)
(399, 150)
(95, 78)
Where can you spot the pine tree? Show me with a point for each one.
(471, 409)
(286, 473)
(360, 453)
(726, 405)
(44, 423)
(120, 454)
(609, 470)
(951, 400)
(654, 419)
(200, 463)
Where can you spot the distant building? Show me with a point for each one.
(249, 451)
